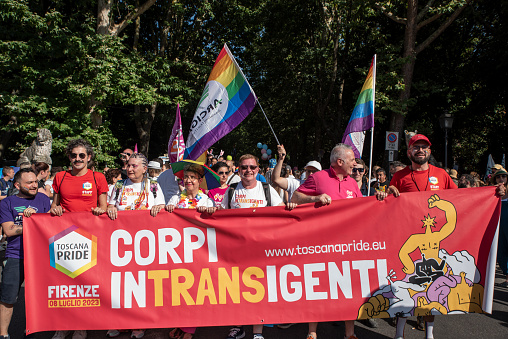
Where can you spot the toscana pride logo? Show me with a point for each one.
(72, 252)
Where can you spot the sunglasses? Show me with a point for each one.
(222, 173)
(359, 170)
(75, 155)
(124, 155)
(245, 167)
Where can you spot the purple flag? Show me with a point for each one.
(176, 144)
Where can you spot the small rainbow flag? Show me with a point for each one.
(226, 101)
(362, 118)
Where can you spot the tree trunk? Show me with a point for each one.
(409, 55)
(103, 15)
(144, 122)
(6, 135)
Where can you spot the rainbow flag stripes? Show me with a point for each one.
(226, 101)
(362, 118)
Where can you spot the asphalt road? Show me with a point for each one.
(493, 325)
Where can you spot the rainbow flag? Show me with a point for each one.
(362, 118)
(226, 100)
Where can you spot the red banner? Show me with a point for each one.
(420, 253)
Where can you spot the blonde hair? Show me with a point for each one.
(248, 156)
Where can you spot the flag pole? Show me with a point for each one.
(268, 121)
(372, 129)
(262, 110)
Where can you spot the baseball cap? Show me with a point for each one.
(314, 164)
(497, 167)
(419, 137)
(500, 171)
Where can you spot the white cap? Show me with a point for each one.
(314, 164)
(154, 165)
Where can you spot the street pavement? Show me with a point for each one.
(493, 325)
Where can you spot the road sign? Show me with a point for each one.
(392, 143)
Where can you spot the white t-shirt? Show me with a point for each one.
(250, 198)
(130, 192)
(50, 183)
(293, 185)
(234, 179)
(181, 200)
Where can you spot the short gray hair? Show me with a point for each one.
(338, 152)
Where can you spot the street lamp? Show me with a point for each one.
(446, 122)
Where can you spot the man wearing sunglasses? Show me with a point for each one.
(250, 193)
(78, 190)
(124, 158)
(420, 176)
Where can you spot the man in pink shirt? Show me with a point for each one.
(332, 184)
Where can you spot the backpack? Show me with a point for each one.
(266, 190)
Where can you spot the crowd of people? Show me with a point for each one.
(139, 184)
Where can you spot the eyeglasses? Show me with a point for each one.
(75, 155)
(190, 177)
(222, 173)
(246, 167)
(359, 170)
(421, 147)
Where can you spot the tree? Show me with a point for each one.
(416, 19)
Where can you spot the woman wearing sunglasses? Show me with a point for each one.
(359, 174)
(217, 194)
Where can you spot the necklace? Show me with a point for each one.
(414, 181)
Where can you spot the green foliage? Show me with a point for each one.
(306, 60)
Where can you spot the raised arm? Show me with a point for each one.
(276, 178)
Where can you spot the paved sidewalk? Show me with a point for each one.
(454, 326)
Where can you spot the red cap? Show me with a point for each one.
(419, 137)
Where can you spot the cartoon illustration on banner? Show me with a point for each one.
(436, 283)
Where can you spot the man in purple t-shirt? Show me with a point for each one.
(332, 184)
(12, 211)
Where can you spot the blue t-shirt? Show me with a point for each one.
(260, 177)
(11, 209)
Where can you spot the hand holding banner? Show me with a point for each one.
(417, 254)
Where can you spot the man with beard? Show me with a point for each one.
(12, 211)
(420, 176)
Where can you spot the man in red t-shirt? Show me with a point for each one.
(79, 190)
(421, 176)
